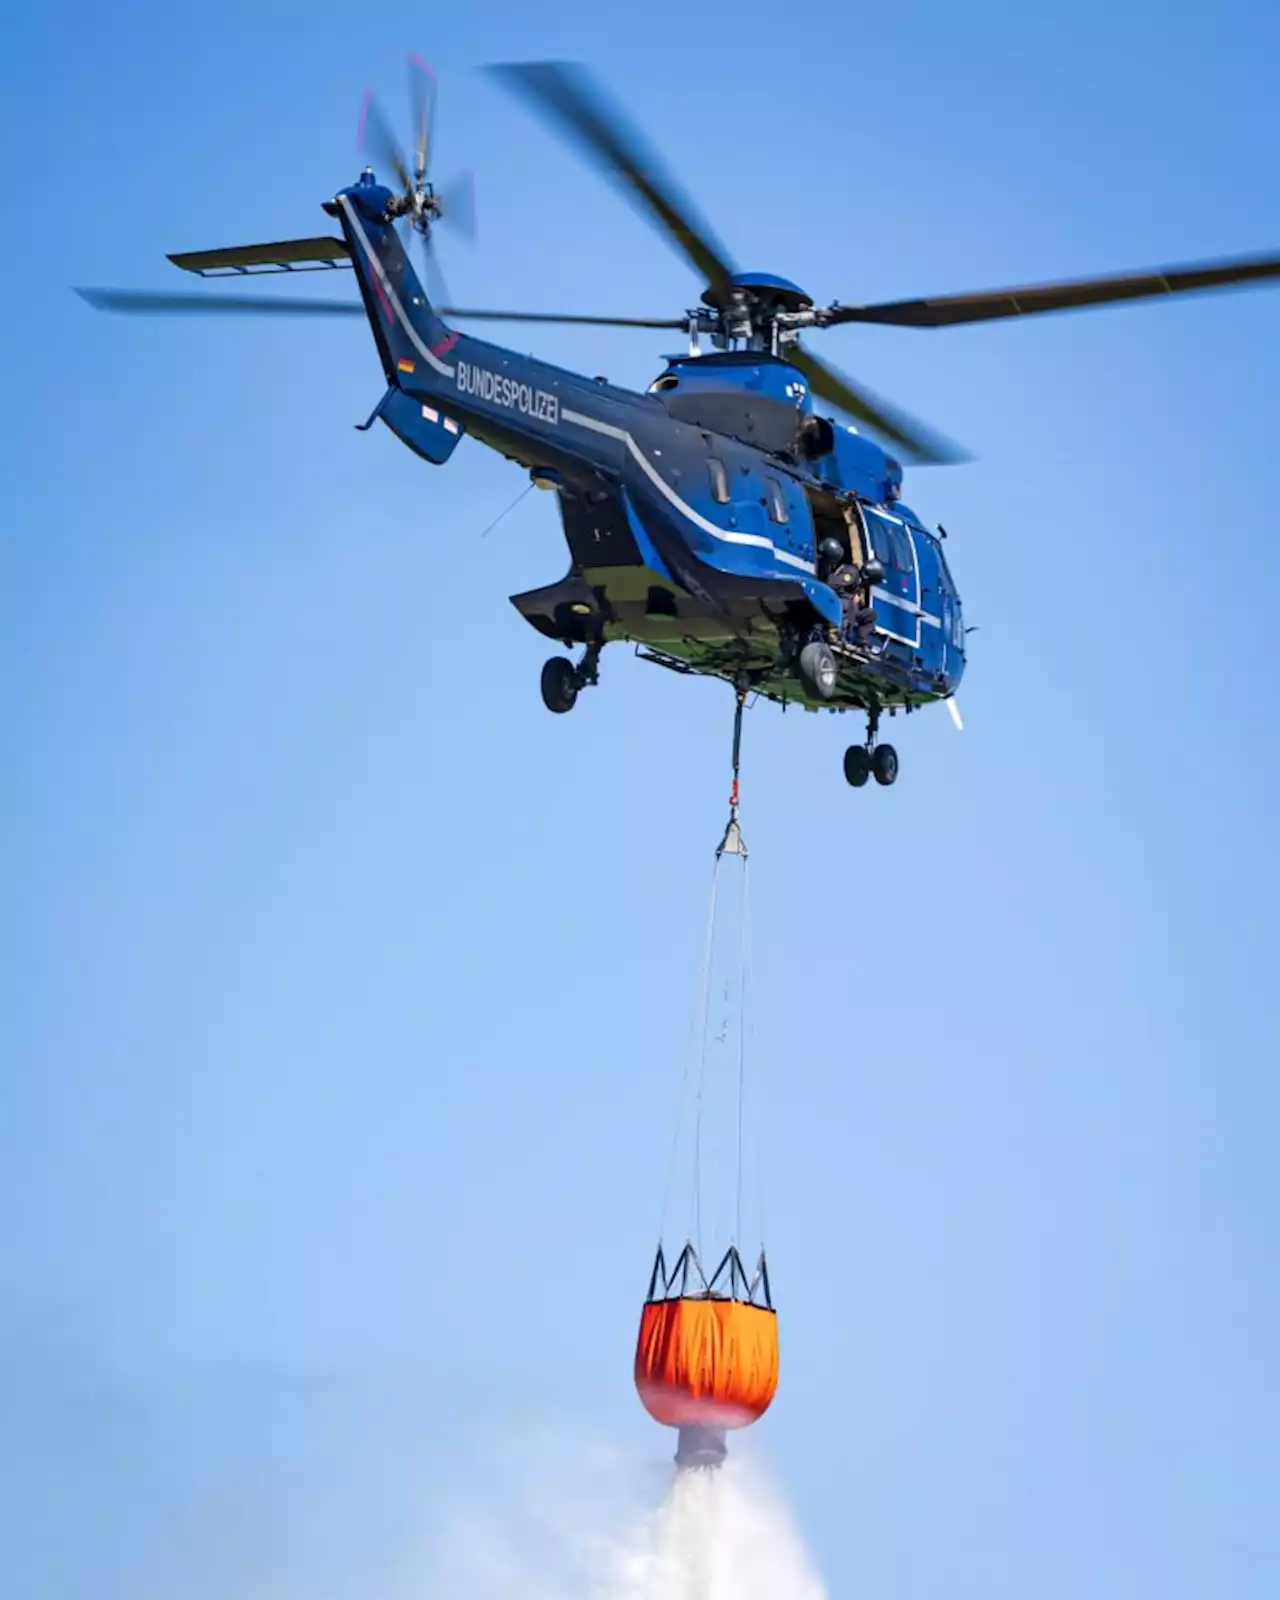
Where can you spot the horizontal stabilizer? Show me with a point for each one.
(288, 255)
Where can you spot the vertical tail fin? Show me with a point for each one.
(412, 339)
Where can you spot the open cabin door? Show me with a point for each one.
(839, 520)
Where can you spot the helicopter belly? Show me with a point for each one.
(639, 605)
(636, 577)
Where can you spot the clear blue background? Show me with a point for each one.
(345, 991)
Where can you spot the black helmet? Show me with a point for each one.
(831, 549)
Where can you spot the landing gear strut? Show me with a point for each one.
(871, 760)
(562, 681)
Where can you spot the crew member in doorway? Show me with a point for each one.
(864, 624)
(850, 583)
(836, 572)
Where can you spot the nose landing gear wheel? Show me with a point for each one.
(559, 684)
(884, 764)
(857, 766)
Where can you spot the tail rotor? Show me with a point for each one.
(419, 202)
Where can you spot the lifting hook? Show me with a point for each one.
(733, 844)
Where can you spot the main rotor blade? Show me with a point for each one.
(562, 92)
(950, 310)
(141, 300)
(913, 440)
(558, 317)
(422, 97)
(145, 301)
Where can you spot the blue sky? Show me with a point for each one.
(345, 991)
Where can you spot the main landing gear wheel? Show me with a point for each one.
(816, 670)
(562, 682)
(559, 684)
(871, 760)
(884, 764)
(857, 765)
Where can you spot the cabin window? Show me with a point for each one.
(719, 479)
(777, 501)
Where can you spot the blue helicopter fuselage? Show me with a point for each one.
(696, 514)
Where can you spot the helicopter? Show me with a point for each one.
(719, 521)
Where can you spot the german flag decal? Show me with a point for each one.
(405, 366)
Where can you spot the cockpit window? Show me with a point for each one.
(878, 538)
(891, 543)
(777, 501)
(719, 479)
(952, 621)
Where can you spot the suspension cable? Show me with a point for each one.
(697, 1054)
(743, 947)
(731, 843)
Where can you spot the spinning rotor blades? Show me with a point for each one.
(274, 305)
(951, 310)
(376, 137)
(919, 444)
(555, 316)
(564, 94)
(262, 304)
(422, 97)
(457, 201)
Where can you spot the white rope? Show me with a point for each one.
(694, 1080)
(743, 947)
(697, 1025)
(702, 1059)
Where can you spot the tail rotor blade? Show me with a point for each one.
(954, 709)
(422, 97)
(458, 205)
(433, 278)
(377, 138)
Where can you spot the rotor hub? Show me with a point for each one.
(764, 290)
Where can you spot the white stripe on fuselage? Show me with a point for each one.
(664, 488)
(567, 415)
(429, 356)
(909, 606)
